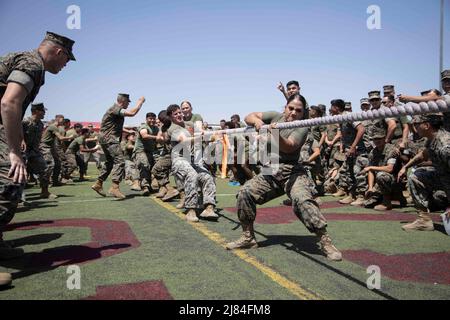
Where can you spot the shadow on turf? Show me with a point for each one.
(49, 259)
(304, 246)
(35, 239)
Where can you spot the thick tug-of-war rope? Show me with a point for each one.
(409, 108)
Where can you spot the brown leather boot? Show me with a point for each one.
(180, 205)
(98, 187)
(422, 223)
(136, 186)
(247, 239)
(385, 205)
(5, 279)
(327, 247)
(171, 193)
(191, 216)
(45, 194)
(209, 213)
(115, 191)
(339, 193)
(162, 192)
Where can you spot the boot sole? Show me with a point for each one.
(98, 192)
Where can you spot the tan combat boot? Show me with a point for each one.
(45, 194)
(339, 193)
(115, 191)
(209, 213)
(98, 187)
(180, 205)
(5, 279)
(347, 200)
(191, 216)
(171, 193)
(162, 192)
(246, 241)
(146, 191)
(358, 202)
(386, 205)
(136, 186)
(154, 185)
(327, 247)
(422, 223)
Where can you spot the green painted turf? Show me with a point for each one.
(194, 267)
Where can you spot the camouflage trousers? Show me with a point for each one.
(10, 193)
(60, 167)
(429, 189)
(131, 172)
(37, 165)
(87, 156)
(74, 161)
(351, 178)
(49, 155)
(195, 177)
(144, 162)
(290, 179)
(161, 169)
(114, 164)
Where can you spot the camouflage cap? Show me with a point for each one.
(430, 117)
(445, 74)
(38, 106)
(378, 133)
(124, 95)
(364, 101)
(64, 42)
(388, 88)
(374, 95)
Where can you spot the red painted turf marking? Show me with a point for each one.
(147, 290)
(284, 214)
(109, 237)
(417, 267)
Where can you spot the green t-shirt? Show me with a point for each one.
(143, 145)
(74, 146)
(49, 136)
(297, 134)
(195, 117)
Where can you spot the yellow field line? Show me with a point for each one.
(291, 286)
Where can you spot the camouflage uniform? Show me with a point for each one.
(36, 164)
(313, 169)
(290, 178)
(385, 182)
(143, 154)
(88, 155)
(130, 167)
(74, 158)
(193, 175)
(446, 118)
(110, 137)
(351, 178)
(430, 186)
(26, 68)
(48, 151)
(330, 152)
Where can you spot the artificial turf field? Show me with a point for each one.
(141, 248)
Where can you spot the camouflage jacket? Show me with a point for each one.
(25, 68)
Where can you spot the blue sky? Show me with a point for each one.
(228, 56)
